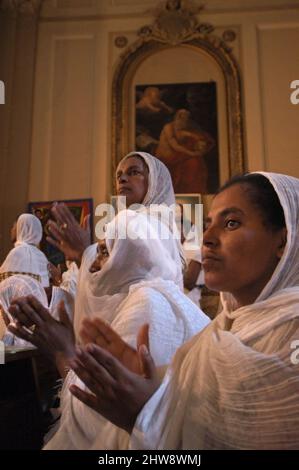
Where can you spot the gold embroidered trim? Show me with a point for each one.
(13, 273)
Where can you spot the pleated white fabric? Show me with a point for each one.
(69, 280)
(61, 295)
(235, 386)
(130, 261)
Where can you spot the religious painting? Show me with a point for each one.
(80, 209)
(178, 124)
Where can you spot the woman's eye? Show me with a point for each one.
(103, 251)
(231, 224)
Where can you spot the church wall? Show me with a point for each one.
(71, 152)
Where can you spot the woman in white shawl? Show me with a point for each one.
(235, 385)
(26, 258)
(140, 177)
(137, 284)
(25, 272)
(25, 269)
(145, 182)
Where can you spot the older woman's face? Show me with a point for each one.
(239, 252)
(132, 180)
(101, 258)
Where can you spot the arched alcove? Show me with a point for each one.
(193, 42)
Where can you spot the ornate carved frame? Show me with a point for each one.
(173, 28)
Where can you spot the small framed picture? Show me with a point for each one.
(189, 218)
(191, 204)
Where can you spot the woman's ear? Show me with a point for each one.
(283, 233)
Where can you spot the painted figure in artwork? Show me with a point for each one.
(182, 147)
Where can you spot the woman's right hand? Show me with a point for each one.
(66, 234)
(116, 393)
(54, 338)
(100, 332)
(55, 274)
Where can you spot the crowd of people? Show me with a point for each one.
(142, 365)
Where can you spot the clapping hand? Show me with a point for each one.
(55, 274)
(34, 323)
(116, 393)
(66, 234)
(100, 332)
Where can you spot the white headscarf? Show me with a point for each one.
(235, 386)
(29, 230)
(26, 257)
(286, 273)
(160, 193)
(160, 188)
(19, 286)
(130, 262)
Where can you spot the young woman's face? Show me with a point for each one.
(101, 258)
(132, 180)
(239, 252)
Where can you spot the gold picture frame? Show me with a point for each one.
(179, 33)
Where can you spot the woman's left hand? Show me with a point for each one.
(66, 234)
(54, 338)
(117, 393)
(100, 332)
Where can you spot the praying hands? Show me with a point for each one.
(100, 333)
(120, 379)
